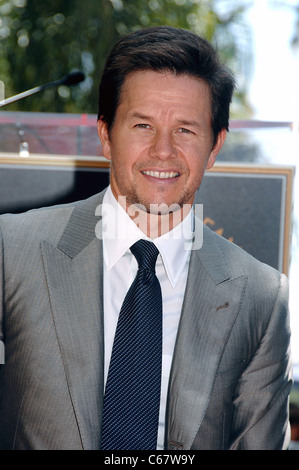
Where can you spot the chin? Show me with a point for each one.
(159, 207)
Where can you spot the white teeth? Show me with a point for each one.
(161, 174)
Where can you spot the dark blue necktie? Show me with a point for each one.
(132, 395)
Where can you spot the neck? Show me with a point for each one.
(155, 225)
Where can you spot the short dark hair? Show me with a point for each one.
(160, 49)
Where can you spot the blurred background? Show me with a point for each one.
(42, 41)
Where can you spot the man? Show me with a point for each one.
(65, 271)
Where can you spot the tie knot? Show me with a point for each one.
(146, 254)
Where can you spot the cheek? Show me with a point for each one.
(196, 172)
(128, 155)
(121, 162)
(196, 162)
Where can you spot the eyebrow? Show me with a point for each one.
(185, 122)
(140, 116)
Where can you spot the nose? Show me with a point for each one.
(162, 146)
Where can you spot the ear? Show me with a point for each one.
(104, 138)
(216, 149)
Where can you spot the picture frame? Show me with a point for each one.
(251, 205)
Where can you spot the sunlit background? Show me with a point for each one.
(274, 96)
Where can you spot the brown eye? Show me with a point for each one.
(143, 126)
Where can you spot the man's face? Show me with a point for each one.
(161, 141)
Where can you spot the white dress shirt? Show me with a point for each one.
(120, 267)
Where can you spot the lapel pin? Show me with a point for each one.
(226, 305)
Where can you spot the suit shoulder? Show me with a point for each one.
(265, 285)
(45, 223)
(240, 261)
(45, 220)
(35, 223)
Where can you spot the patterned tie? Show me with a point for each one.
(132, 395)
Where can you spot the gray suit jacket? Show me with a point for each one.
(230, 377)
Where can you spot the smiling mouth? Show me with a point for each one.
(161, 174)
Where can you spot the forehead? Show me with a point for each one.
(165, 88)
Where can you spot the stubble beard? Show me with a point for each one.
(157, 207)
(154, 206)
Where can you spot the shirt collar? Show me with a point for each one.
(120, 233)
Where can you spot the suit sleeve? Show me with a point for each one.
(260, 419)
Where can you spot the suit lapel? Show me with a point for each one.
(73, 272)
(74, 278)
(211, 305)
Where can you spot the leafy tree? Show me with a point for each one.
(41, 41)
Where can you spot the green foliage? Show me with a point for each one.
(41, 41)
